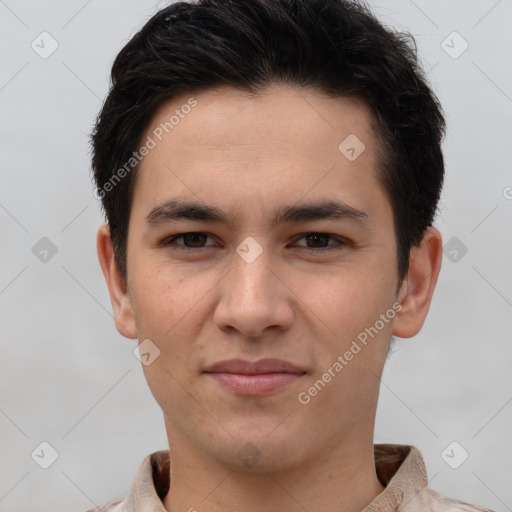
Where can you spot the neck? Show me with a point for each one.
(342, 480)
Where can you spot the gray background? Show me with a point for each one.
(68, 378)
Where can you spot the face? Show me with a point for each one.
(253, 236)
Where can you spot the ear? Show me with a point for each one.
(123, 313)
(417, 288)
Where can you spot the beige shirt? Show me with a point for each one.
(400, 469)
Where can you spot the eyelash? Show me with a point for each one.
(340, 242)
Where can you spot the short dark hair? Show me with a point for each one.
(335, 47)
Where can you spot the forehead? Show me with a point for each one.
(229, 146)
(277, 114)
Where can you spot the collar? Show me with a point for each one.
(400, 468)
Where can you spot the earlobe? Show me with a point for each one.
(418, 287)
(119, 296)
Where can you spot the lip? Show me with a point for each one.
(243, 367)
(258, 378)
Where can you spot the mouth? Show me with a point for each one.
(257, 378)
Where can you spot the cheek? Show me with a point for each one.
(349, 300)
(165, 310)
(160, 297)
(169, 309)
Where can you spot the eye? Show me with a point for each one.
(191, 241)
(320, 241)
(314, 242)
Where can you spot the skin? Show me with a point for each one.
(248, 155)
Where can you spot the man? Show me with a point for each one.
(270, 172)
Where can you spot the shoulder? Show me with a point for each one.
(431, 501)
(117, 505)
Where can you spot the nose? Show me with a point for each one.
(254, 298)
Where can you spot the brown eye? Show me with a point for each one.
(194, 239)
(191, 240)
(317, 239)
(320, 242)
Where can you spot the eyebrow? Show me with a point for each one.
(174, 210)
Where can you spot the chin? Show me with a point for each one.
(257, 453)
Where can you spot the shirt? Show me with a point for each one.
(400, 469)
